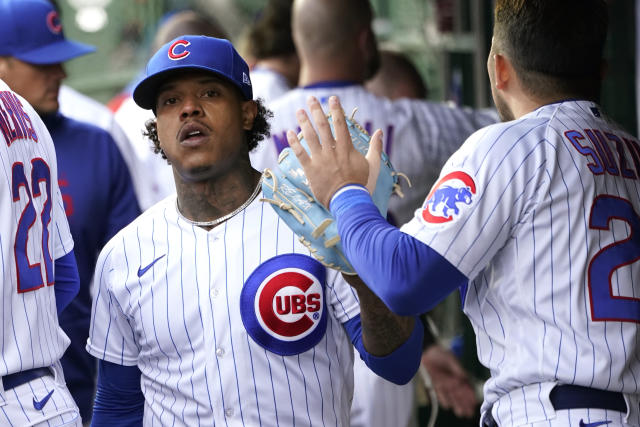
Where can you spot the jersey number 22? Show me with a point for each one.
(29, 275)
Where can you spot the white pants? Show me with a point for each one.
(530, 406)
(21, 403)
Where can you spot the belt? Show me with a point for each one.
(14, 380)
(574, 397)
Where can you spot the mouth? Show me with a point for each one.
(192, 133)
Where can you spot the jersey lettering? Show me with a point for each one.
(604, 305)
(30, 275)
(13, 114)
(603, 149)
(602, 156)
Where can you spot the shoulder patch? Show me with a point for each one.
(282, 304)
(448, 196)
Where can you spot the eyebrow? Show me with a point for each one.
(202, 81)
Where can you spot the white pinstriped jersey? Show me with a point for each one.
(542, 214)
(33, 233)
(170, 296)
(419, 136)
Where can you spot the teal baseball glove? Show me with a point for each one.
(287, 190)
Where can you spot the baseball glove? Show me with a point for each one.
(287, 190)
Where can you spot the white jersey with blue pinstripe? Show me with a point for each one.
(33, 233)
(169, 298)
(419, 136)
(542, 214)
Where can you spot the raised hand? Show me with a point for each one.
(334, 162)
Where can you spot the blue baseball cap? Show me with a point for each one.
(31, 31)
(217, 56)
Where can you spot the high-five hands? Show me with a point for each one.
(334, 162)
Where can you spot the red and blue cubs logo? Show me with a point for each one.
(282, 304)
(53, 22)
(451, 192)
(178, 50)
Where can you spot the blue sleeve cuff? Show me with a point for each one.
(67, 280)
(349, 196)
(119, 400)
(399, 366)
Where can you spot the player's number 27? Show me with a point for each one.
(29, 275)
(604, 304)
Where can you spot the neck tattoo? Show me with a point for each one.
(227, 216)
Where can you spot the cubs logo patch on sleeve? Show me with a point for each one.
(282, 304)
(452, 193)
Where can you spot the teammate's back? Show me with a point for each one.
(30, 234)
(566, 179)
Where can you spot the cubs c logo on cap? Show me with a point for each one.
(53, 22)
(451, 193)
(178, 50)
(282, 304)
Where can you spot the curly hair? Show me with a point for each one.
(260, 130)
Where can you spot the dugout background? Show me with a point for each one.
(448, 40)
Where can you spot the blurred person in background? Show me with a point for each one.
(270, 52)
(397, 78)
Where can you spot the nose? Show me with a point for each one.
(190, 107)
(56, 71)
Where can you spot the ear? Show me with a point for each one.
(249, 112)
(503, 71)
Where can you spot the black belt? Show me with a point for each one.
(575, 397)
(14, 380)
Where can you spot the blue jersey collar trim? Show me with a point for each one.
(330, 84)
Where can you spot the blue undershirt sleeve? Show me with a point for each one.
(400, 365)
(67, 280)
(407, 275)
(119, 400)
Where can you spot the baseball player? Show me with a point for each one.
(208, 310)
(94, 179)
(533, 219)
(36, 251)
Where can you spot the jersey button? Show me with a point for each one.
(215, 293)
(219, 352)
(229, 412)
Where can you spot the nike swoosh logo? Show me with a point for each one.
(39, 404)
(141, 270)
(596, 424)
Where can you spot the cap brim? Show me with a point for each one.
(55, 53)
(146, 91)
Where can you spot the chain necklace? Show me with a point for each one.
(227, 216)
